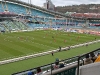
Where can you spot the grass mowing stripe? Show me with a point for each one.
(10, 50)
(4, 55)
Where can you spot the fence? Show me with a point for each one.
(82, 56)
(70, 66)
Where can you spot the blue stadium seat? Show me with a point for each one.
(16, 8)
(1, 9)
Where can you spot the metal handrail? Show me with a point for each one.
(49, 66)
(83, 56)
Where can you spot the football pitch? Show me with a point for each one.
(24, 43)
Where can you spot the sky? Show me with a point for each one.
(64, 2)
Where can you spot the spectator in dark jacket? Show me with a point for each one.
(93, 57)
(39, 70)
(87, 60)
(61, 65)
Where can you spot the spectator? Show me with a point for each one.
(59, 48)
(87, 60)
(93, 57)
(56, 66)
(98, 58)
(30, 73)
(87, 45)
(61, 65)
(98, 54)
(52, 53)
(57, 59)
(39, 71)
(68, 47)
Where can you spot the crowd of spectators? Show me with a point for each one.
(91, 58)
(87, 60)
(57, 64)
(38, 72)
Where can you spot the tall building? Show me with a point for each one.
(49, 5)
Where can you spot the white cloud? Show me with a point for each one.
(63, 2)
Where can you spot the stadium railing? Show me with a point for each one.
(71, 66)
(83, 56)
(73, 69)
(67, 70)
(48, 67)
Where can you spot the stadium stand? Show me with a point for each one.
(43, 18)
(20, 16)
(23, 7)
(1, 7)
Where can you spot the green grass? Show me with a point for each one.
(24, 43)
(8, 69)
